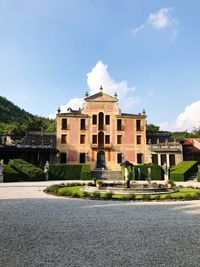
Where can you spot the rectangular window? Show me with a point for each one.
(107, 119)
(139, 158)
(63, 158)
(119, 158)
(139, 138)
(94, 119)
(82, 158)
(82, 124)
(119, 139)
(82, 138)
(94, 139)
(172, 160)
(119, 124)
(155, 159)
(163, 159)
(64, 139)
(64, 124)
(138, 125)
(107, 139)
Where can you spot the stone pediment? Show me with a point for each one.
(101, 97)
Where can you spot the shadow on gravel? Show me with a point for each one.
(77, 232)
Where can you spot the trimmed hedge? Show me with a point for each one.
(183, 170)
(27, 171)
(10, 174)
(157, 172)
(69, 172)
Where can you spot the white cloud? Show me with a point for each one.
(190, 118)
(99, 76)
(74, 103)
(187, 120)
(161, 19)
(138, 29)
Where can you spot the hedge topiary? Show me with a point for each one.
(27, 171)
(183, 170)
(10, 174)
(69, 172)
(156, 172)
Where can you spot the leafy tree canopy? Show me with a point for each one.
(152, 128)
(16, 121)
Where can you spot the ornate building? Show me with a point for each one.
(101, 135)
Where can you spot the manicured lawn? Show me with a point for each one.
(75, 191)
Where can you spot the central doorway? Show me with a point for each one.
(101, 159)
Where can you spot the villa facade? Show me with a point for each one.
(101, 135)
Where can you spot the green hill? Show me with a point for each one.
(16, 121)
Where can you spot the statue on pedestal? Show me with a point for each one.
(166, 172)
(126, 178)
(46, 170)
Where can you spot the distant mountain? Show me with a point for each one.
(16, 121)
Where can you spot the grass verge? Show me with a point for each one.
(75, 190)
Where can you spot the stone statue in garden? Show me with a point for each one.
(126, 178)
(166, 172)
(46, 170)
(149, 174)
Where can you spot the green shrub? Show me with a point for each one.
(10, 174)
(183, 170)
(198, 176)
(107, 195)
(146, 197)
(52, 189)
(27, 171)
(96, 194)
(130, 197)
(69, 172)
(156, 197)
(156, 172)
(86, 194)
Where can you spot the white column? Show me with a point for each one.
(168, 162)
(159, 159)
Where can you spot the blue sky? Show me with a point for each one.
(53, 51)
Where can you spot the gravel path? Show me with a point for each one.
(41, 230)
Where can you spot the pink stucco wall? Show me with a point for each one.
(196, 144)
(73, 133)
(96, 107)
(129, 133)
(73, 155)
(129, 155)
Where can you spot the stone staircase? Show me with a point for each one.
(106, 174)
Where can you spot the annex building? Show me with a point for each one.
(101, 135)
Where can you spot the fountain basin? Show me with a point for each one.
(134, 189)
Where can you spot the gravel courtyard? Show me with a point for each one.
(41, 230)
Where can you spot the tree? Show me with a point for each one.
(152, 128)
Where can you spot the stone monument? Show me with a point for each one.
(166, 172)
(126, 178)
(46, 170)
